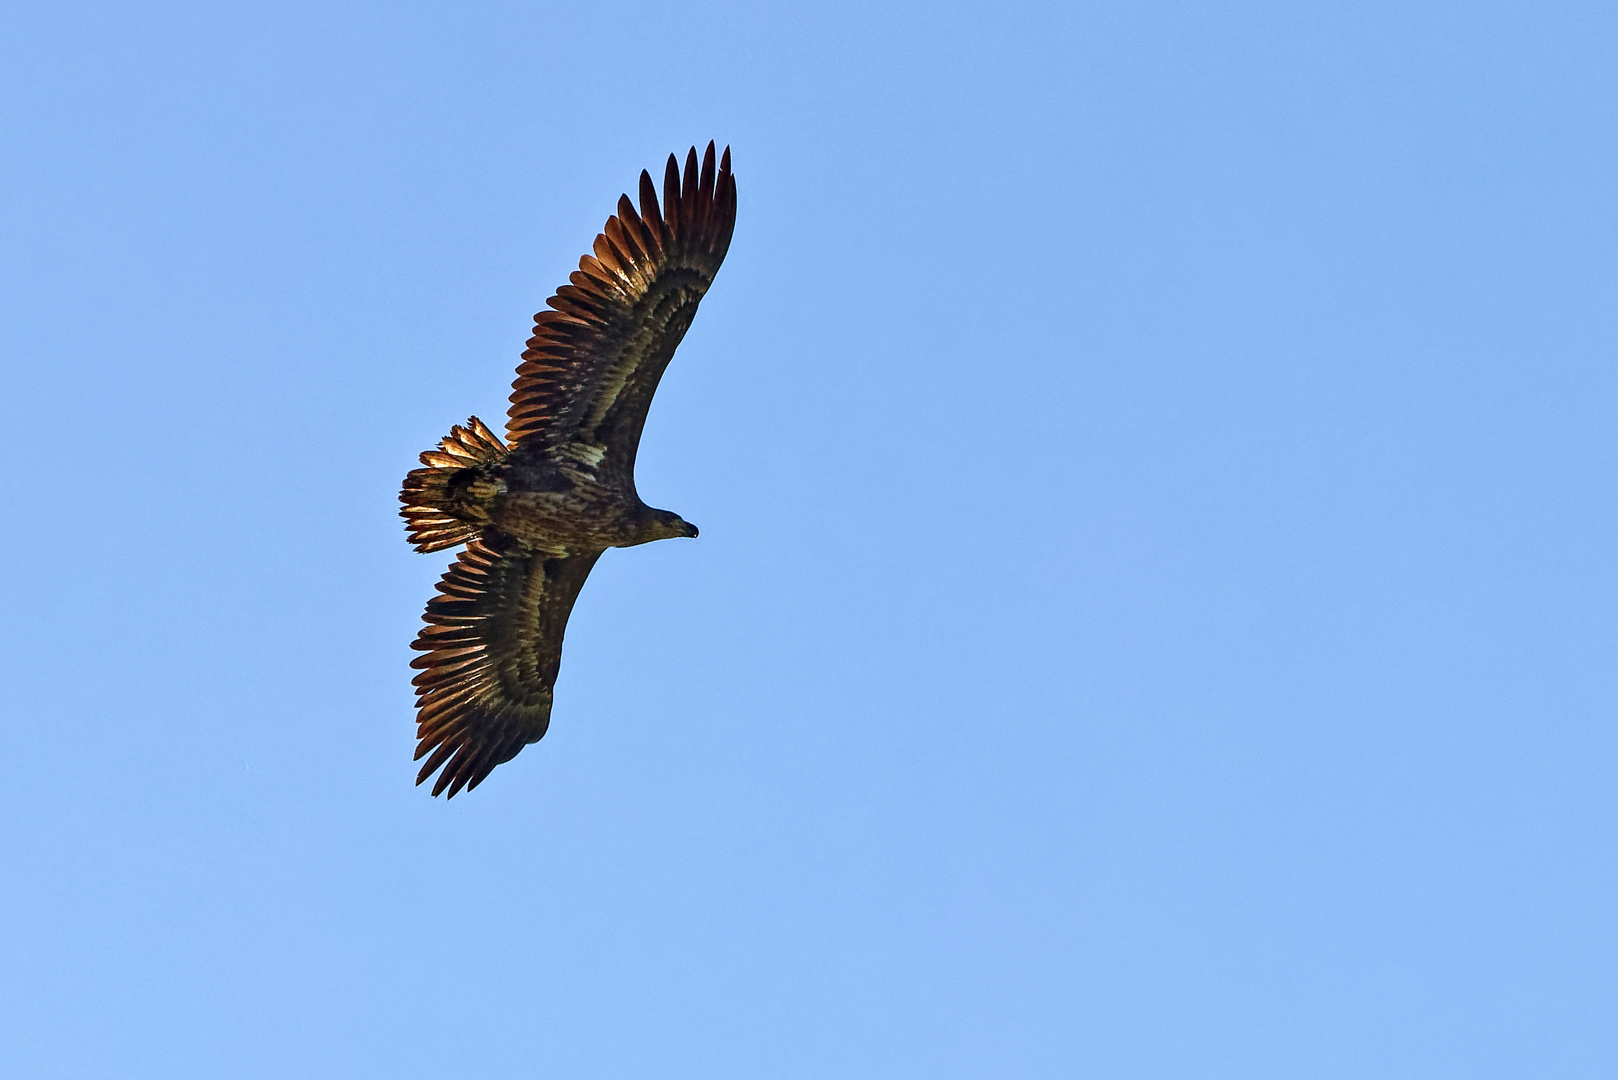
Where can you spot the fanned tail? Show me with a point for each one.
(429, 493)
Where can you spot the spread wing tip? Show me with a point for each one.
(689, 230)
(467, 744)
(465, 764)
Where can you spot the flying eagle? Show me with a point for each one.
(537, 510)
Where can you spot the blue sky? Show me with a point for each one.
(1155, 608)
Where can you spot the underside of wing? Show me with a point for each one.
(491, 650)
(597, 354)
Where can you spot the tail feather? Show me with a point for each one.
(427, 492)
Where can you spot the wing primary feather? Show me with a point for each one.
(705, 185)
(622, 237)
(635, 229)
(644, 232)
(649, 212)
(607, 258)
(671, 197)
(626, 211)
(688, 186)
(441, 754)
(444, 778)
(629, 256)
(727, 215)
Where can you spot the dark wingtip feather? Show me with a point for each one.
(649, 211)
(688, 185)
(639, 233)
(648, 196)
(705, 184)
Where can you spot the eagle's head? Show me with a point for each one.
(664, 525)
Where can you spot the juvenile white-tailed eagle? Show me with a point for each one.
(538, 509)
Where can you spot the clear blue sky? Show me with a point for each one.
(1155, 613)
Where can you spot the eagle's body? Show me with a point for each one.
(539, 508)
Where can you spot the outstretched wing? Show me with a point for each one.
(492, 646)
(595, 359)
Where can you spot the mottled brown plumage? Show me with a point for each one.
(537, 509)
